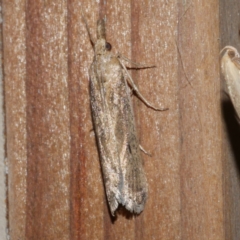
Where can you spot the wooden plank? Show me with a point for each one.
(229, 35)
(201, 167)
(48, 135)
(153, 41)
(87, 193)
(3, 194)
(14, 65)
(65, 195)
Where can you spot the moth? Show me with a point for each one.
(114, 126)
(230, 66)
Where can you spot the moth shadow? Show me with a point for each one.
(232, 126)
(121, 211)
(125, 213)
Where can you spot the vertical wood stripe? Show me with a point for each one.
(14, 67)
(48, 135)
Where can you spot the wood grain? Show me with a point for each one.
(57, 191)
(201, 166)
(14, 65)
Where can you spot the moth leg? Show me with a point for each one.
(138, 92)
(142, 149)
(138, 65)
(130, 89)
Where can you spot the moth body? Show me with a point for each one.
(113, 118)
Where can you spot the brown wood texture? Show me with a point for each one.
(55, 183)
(230, 35)
(14, 64)
(201, 167)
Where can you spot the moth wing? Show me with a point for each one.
(103, 126)
(113, 118)
(135, 190)
(132, 181)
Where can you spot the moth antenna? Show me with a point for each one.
(88, 30)
(137, 65)
(101, 31)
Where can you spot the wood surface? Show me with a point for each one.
(55, 188)
(230, 35)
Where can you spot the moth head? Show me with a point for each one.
(101, 45)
